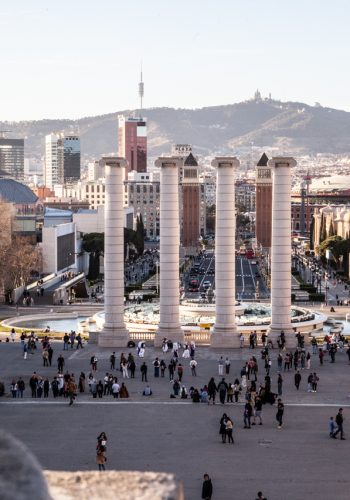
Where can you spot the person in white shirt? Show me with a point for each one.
(115, 389)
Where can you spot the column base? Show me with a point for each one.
(225, 337)
(175, 334)
(113, 337)
(289, 334)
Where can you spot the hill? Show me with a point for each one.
(290, 127)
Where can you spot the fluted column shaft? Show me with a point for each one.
(169, 322)
(281, 249)
(224, 333)
(114, 333)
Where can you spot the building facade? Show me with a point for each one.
(263, 218)
(71, 158)
(62, 159)
(142, 192)
(12, 158)
(132, 142)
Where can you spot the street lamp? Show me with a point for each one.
(157, 277)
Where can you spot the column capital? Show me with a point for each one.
(114, 161)
(169, 161)
(225, 161)
(282, 161)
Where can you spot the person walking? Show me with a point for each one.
(45, 357)
(143, 371)
(72, 390)
(297, 380)
(193, 365)
(221, 365)
(222, 429)
(180, 371)
(65, 342)
(229, 430)
(314, 382)
(25, 351)
(14, 388)
(101, 457)
(21, 387)
(124, 366)
(279, 414)
(257, 410)
(212, 390)
(236, 389)
(222, 388)
(156, 365)
(60, 363)
(339, 419)
(93, 363)
(279, 384)
(50, 352)
(227, 366)
(247, 415)
(308, 361)
(112, 360)
(207, 488)
(115, 389)
(46, 388)
(331, 427)
(321, 356)
(132, 367)
(171, 368)
(79, 342)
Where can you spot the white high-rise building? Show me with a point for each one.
(53, 173)
(62, 159)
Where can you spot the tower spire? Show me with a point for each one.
(141, 90)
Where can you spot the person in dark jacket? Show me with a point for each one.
(339, 419)
(207, 488)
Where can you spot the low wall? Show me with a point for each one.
(21, 478)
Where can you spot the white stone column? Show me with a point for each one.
(169, 323)
(224, 333)
(114, 333)
(281, 254)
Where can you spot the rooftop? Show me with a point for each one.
(14, 192)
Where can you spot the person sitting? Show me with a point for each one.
(184, 394)
(204, 395)
(123, 393)
(195, 396)
(147, 391)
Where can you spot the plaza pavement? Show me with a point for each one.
(159, 433)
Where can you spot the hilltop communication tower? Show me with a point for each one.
(141, 92)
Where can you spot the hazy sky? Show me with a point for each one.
(73, 58)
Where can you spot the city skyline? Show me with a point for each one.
(194, 55)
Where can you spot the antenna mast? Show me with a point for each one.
(141, 91)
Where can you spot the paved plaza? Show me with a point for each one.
(163, 434)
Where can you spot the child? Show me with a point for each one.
(332, 427)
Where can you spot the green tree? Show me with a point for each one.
(93, 243)
(337, 245)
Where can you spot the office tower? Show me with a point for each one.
(62, 159)
(12, 158)
(263, 202)
(53, 172)
(132, 140)
(71, 158)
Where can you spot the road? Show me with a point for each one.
(247, 277)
